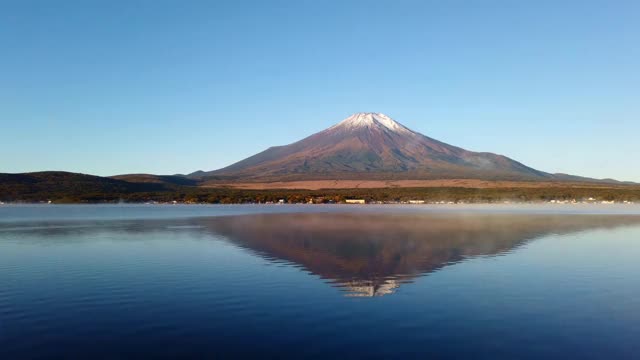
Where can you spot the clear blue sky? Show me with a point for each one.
(111, 87)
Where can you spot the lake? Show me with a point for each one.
(319, 281)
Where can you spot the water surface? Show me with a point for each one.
(299, 281)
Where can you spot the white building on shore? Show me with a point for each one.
(355, 201)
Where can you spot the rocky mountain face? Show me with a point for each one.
(373, 146)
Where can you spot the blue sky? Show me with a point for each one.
(111, 87)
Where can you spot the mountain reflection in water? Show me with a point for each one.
(363, 254)
(373, 254)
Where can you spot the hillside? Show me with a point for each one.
(375, 147)
(168, 180)
(64, 187)
(38, 186)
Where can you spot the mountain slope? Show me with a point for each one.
(373, 146)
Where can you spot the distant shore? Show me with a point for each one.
(346, 202)
(62, 187)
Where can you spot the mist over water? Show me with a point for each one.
(35, 213)
(319, 281)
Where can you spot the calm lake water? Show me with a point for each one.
(111, 282)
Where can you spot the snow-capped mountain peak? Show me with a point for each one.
(369, 119)
(374, 146)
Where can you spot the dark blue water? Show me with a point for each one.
(102, 282)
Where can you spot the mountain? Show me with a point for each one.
(373, 146)
(364, 151)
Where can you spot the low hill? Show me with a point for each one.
(157, 179)
(39, 186)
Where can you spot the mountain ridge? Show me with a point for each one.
(373, 146)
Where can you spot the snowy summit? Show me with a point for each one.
(369, 119)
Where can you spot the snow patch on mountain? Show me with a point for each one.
(359, 120)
